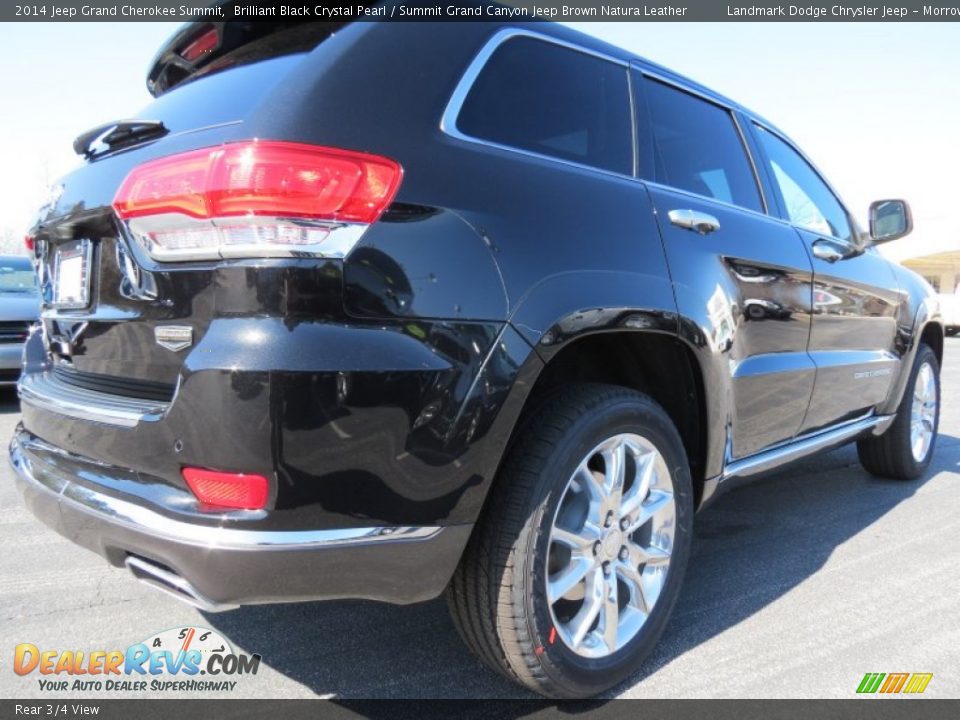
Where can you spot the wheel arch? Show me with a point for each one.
(927, 328)
(932, 335)
(655, 363)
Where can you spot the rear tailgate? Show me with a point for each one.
(112, 314)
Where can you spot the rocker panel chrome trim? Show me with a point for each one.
(796, 449)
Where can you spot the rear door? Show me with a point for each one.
(855, 296)
(742, 277)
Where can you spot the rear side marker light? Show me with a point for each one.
(227, 490)
(256, 199)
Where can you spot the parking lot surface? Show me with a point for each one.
(799, 585)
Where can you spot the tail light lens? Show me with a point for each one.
(256, 199)
(227, 490)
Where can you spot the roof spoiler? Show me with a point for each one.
(198, 45)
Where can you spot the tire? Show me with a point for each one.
(499, 597)
(894, 454)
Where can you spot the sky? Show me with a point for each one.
(874, 105)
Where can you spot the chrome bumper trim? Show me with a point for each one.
(45, 391)
(115, 511)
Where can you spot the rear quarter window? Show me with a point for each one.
(556, 101)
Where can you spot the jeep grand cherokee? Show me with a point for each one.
(388, 310)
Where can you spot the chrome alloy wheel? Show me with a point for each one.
(923, 415)
(610, 545)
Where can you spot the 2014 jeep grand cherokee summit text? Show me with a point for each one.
(390, 310)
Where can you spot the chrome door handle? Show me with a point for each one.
(827, 251)
(694, 220)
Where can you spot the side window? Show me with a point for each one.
(538, 96)
(696, 147)
(808, 201)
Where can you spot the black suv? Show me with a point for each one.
(383, 310)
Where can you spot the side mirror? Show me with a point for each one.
(889, 220)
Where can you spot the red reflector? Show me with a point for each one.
(28, 242)
(268, 178)
(231, 490)
(203, 44)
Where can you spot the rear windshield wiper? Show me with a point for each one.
(117, 134)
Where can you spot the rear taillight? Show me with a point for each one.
(227, 490)
(28, 243)
(256, 199)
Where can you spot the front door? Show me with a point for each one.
(854, 293)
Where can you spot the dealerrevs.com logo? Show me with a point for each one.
(189, 659)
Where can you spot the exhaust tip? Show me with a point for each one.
(161, 578)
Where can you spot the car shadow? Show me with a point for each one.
(751, 547)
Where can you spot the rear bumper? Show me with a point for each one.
(405, 435)
(216, 566)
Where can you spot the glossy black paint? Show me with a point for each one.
(399, 571)
(384, 389)
(747, 288)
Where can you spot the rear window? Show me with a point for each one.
(220, 97)
(697, 148)
(548, 99)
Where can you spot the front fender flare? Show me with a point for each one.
(928, 312)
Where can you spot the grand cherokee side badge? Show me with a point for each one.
(174, 337)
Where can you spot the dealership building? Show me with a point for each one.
(940, 269)
(933, 251)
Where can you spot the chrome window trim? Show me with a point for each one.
(753, 164)
(680, 85)
(634, 120)
(448, 121)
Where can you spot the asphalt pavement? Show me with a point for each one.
(799, 585)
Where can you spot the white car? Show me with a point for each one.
(950, 307)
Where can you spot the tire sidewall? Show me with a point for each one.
(587, 676)
(925, 356)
